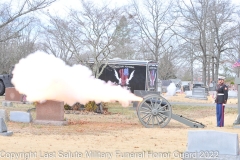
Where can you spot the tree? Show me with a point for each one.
(97, 27)
(195, 22)
(15, 19)
(17, 37)
(123, 40)
(188, 56)
(61, 39)
(223, 27)
(167, 68)
(207, 25)
(234, 54)
(154, 21)
(85, 36)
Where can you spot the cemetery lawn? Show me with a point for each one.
(118, 133)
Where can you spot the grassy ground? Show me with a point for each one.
(119, 130)
(88, 122)
(118, 116)
(130, 112)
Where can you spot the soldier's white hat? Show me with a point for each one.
(221, 77)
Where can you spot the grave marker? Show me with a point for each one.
(3, 128)
(199, 93)
(224, 145)
(11, 94)
(3, 114)
(20, 116)
(236, 123)
(50, 112)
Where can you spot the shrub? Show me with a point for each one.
(76, 106)
(67, 107)
(91, 106)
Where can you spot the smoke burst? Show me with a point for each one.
(42, 77)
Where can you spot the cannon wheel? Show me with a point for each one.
(154, 111)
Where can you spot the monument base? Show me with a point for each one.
(200, 98)
(236, 125)
(48, 122)
(10, 103)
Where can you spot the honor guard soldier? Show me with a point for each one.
(221, 100)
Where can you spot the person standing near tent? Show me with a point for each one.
(221, 100)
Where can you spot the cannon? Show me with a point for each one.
(141, 78)
(155, 111)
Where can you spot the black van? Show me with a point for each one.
(133, 74)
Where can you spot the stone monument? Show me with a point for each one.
(3, 128)
(50, 112)
(209, 144)
(236, 123)
(12, 94)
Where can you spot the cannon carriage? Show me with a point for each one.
(155, 111)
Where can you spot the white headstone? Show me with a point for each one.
(206, 140)
(20, 116)
(232, 94)
(171, 89)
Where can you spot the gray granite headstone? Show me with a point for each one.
(199, 93)
(212, 86)
(19, 116)
(3, 128)
(223, 144)
(7, 104)
(3, 114)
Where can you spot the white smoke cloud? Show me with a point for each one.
(42, 77)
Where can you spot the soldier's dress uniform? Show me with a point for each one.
(221, 100)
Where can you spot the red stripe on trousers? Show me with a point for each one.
(222, 118)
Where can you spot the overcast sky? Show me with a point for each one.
(60, 6)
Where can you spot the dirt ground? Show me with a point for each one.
(119, 135)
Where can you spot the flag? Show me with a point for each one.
(237, 64)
